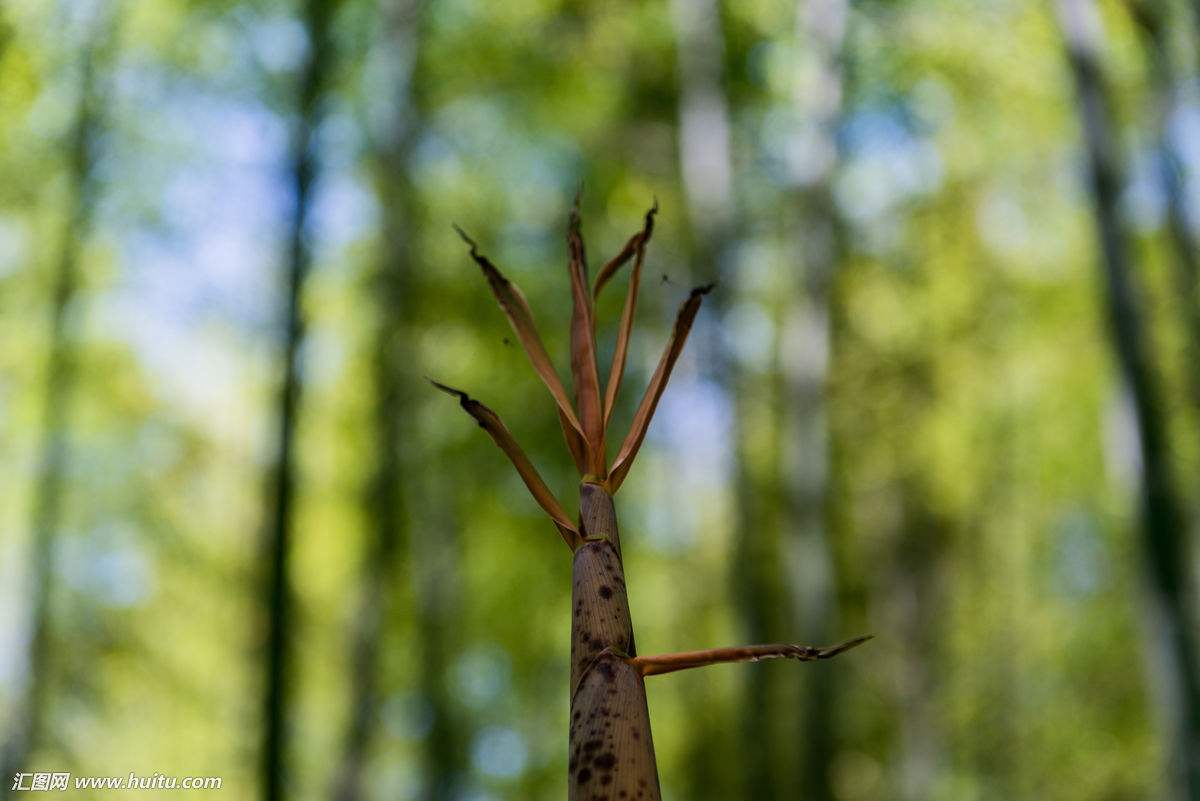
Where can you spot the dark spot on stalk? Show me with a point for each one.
(605, 591)
(606, 778)
(591, 745)
(577, 715)
(606, 761)
(583, 776)
(636, 735)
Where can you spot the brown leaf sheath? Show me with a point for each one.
(618, 261)
(575, 444)
(641, 419)
(489, 421)
(612, 754)
(617, 370)
(669, 663)
(583, 350)
(600, 616)
(516, 308)
(611, 747)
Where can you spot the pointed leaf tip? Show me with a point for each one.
(635, 245)
(841, 648)
(463, 235)
(458, 393)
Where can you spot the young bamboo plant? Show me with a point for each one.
(611, 751)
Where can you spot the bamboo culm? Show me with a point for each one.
(611, 749)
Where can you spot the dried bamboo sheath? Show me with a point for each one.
(612, 751)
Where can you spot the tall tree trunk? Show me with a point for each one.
(390, 288)
(1154, 24)
(436, 583)
(916, 600)
(707, 174)
(65, 321)
(819, 93)
(301, 171)
(996, 572)
(1163, 540)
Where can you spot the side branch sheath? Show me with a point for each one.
(669, 663)
(490, 422)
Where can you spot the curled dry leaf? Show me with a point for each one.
(583, 349)
(575, 443)
(489, 421)
(645, 411)
(637, 244)
(516, 308)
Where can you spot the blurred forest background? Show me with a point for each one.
(946, 391)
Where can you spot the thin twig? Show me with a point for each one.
(669, 663)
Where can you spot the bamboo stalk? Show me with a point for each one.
(612, 753)
(28, 719)
(1166, 552)
(611, 746)
(610, 743)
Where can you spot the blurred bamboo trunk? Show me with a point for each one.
(755, 581)
(1163, 539)
(818, 93)
(391, 286)
(301, 169)
(29, 721)
(917, 603)
(435, 576)
(1153, 20)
